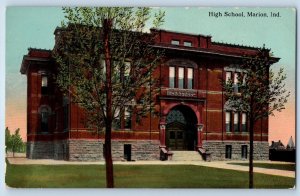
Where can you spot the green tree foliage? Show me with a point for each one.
(106, 62)
(13, 142)
(7, 139)
(259, 93)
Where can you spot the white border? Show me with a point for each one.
(204, 3)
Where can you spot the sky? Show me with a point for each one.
(34, 26)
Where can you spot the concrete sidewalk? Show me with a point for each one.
(215, 164)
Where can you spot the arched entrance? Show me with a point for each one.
(181, 130)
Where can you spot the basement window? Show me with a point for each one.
(228, 151)
(244, 151)
(127, 152)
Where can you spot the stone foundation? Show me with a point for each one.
(92, 150)
(85, 150)
(217, 150)
(47, 150)
(61, 150)
(140, 150)
(40, 150)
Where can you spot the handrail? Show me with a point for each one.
(164, 150)
(165, 154)
(205, 155)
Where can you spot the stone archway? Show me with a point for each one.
(181, 128)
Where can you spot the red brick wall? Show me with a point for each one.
(208, 72)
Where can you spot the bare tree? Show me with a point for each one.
(105, 63)
(259, 93)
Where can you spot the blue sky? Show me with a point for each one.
(34, 26)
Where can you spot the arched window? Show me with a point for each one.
(176, 115)
(44, 116)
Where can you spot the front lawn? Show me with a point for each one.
(286, 166)
(137, 176)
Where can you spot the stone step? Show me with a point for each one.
(186, 156)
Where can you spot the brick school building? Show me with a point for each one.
(194, 116)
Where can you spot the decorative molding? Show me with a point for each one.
(182, 92)
(200, 127)
(162, 126)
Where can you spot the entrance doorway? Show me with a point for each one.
(181, 129)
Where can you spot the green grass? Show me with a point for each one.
(137, 176)
(287, 166)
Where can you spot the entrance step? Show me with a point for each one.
(186, 156)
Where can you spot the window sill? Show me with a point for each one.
(44, 133)
(237, 133)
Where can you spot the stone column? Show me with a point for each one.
(162, 134)
(199, 130)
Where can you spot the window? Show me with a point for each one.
(235, 79)
(236, 122)
(44, 85)
(244, 151)
(172, 77)
(175, 42)
(116, 124)
(239, 121)
(228, 76)
(180, 77)
(190, 78)
(244, 122)
(66, 116)
(122, 119)
(244, 79)
(235, 82)
(56, 119)
(45, 113)
(188, 44)
(228, 121)
(127, 69)
(127, 118)
(228, 151)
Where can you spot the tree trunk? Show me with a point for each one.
(108, 157)
(251, 152)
